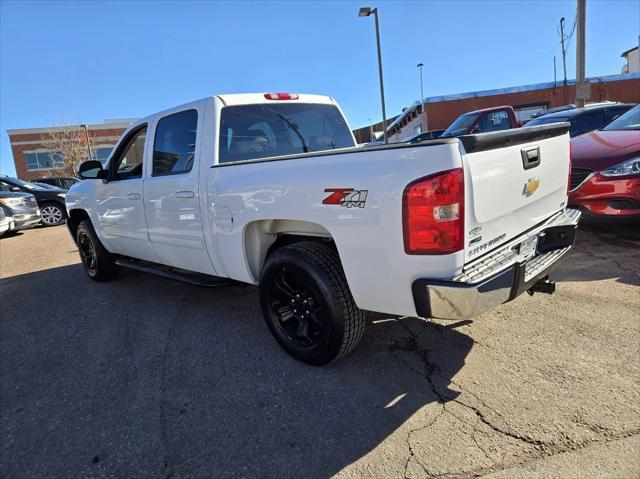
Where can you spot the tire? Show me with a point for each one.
(309, 275)
(52, 214)
(97, 261)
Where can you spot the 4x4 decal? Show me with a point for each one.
(348, 197)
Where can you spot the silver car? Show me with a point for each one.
(22, 207)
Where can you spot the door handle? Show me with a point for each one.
(133, 196)
(185, 194)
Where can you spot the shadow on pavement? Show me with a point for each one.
(602, 253)
(144, 377)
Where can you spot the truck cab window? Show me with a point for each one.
(175, 143)
(128, 164)
(250, 132)
(495, 121)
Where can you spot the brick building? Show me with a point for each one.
(34, 157)
(526, 100)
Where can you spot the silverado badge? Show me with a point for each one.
(530, 187)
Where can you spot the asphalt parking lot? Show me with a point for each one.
(145, 377)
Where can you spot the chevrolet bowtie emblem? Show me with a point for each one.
(530, 187)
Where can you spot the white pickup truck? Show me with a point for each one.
(271, 190)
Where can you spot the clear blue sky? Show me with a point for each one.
(87, 61)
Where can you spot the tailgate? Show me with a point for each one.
(514, 180)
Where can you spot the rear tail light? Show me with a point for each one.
(281, 96)
(433, 214)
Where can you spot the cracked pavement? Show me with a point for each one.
(144, 377)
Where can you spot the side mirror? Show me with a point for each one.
(92, 170)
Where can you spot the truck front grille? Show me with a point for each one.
(578, 175)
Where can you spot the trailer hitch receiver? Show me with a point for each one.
(545, 286)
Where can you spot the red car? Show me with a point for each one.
(605, 173)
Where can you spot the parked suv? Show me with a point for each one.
(50, 201)
(584, 120)
(21, 207)
(63, 182)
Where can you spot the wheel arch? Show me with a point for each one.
(74, 218)
(262, 237)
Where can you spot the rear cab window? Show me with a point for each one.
(249, 132)
(495, 121)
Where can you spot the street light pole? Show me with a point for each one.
(86, 136)
(365, 12)
(422, 104)
(420, 65)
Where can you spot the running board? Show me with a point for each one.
(176, 274)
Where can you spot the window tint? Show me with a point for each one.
(586, 122)
(4, 186)
(175, 143)
(260, 131)
(627, 121)
(66, 183)
(461, 125)
(495, 121)
(613, 112)
(128, 164)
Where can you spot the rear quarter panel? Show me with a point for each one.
(369, 239)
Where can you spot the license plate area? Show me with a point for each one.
(528, 248)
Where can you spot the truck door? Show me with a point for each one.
(171, 195)
(119, 203)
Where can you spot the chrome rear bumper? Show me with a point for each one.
(499, 276)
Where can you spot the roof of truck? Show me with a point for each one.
(253, 98)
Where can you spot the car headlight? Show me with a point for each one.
(11, 201)
(628, 167)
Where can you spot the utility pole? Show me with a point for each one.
(554, 74)
(564, 62)
(582, 87)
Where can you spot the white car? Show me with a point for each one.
(271, 190)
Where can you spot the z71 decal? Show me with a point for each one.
(348, 197)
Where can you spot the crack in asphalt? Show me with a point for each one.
(539, 449)
(412, 454)
(535, 458)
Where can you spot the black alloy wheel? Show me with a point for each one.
(307, 304)
(88, 253)
(297, 308)
(97, 261)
